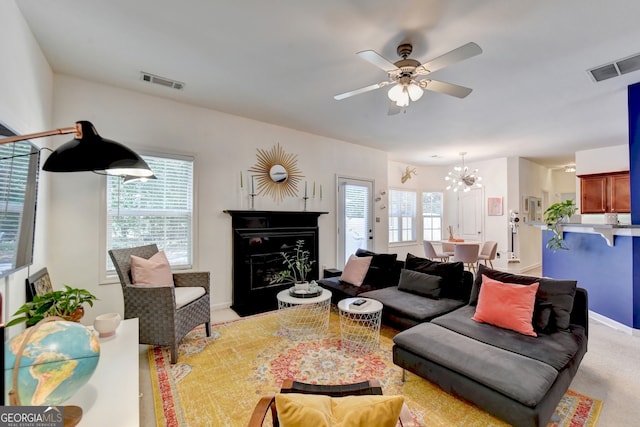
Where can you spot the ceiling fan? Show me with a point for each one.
(403, 75)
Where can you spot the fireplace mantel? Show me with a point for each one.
(259, 237)
(276, 218)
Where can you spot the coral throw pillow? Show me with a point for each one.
(507, 305)
(356, 269)
(153, 271)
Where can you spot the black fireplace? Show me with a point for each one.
(259, 238)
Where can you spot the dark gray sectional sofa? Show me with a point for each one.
(515, 377)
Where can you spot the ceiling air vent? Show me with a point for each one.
(162, 81)
(615, 69)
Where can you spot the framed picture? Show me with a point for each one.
(494, 206)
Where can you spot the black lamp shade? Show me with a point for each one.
(91, 152)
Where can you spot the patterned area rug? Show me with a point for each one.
(218, 380)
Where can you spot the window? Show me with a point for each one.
(432, 216)
(18, 192)
(402, 216)
(156, 211)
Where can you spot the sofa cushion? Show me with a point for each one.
(355, 270)
(556, 349)
(410, 306)
(384, 269)
(385, 261)
(302, 410)
(519, 377)
(153, 271)
(342, 289)
(506, 305)
(559, 293)
(452, 274)
(422, 284)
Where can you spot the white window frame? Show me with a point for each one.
(428, 231)
(110, 276)
(404, 227)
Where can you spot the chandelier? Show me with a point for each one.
(463, 179)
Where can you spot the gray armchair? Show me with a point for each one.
(162, 320)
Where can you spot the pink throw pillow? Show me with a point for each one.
(507, 305)
(153, 271)
(356, 269)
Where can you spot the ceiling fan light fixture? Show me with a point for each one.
(395, 93)
(403, 100)
(415, 92)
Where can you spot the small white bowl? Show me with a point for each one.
(106, 324)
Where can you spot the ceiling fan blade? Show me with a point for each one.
(393, 108)
(456, 55)
(359, 91)
(444, 87)
(374, 57)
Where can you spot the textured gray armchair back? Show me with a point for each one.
(122, 260)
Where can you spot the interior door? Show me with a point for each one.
(470, 215)
(355, 217)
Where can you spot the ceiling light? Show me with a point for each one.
(404, 91)
(569, 168)
(415, 92)
(462, 179)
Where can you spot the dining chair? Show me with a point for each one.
(448, 248)
(430, 252)
(488, 252)
(468, 254)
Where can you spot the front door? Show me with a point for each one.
(355, 217)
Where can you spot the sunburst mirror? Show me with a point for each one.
(277, 173)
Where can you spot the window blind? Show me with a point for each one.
(157, 211)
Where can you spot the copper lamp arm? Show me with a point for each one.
(62, 131)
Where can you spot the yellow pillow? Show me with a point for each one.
(303, 410)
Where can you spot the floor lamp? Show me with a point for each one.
(88, 151)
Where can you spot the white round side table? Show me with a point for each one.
(304, 318)
(360, 325)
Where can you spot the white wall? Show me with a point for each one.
(533, 180)
(563, 182)
(223, 145)
(602, 160)
(25, 107)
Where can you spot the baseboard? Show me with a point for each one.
(614, 324)
(221, 306)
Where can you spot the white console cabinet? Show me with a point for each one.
(111, 397)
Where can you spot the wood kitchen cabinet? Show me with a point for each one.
(603, 193)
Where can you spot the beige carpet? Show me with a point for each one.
(218, 381)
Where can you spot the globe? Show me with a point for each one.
(58, 359)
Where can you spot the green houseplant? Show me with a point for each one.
(555, 215)
(298, 264)
(67, 303)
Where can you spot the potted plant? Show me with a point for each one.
(67, 303)
(298, 264)
(555, 215)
